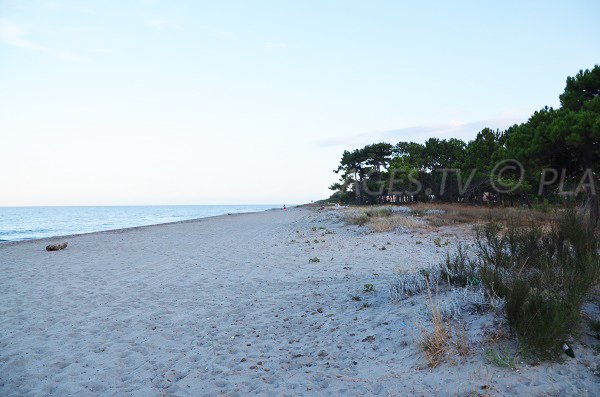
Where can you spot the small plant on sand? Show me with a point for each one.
(501, 358)
(383, 248)
(438, 242)
(409, 284)
(418, 242)
(356, 298)
(368, 288)
(314, 260)
(314, 229)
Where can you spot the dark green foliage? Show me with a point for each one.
(458, 269)
(562, 145)
(544, 276)
(361, 170)
(581, 88)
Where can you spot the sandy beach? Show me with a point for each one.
(234, 305)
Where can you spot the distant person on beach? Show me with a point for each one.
(285, 209)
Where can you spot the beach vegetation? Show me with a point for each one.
(537, 277)
(458, 269)
(435, 342)
(543, 274)
(438, 242)
(359, 219)
(556, 151)
(500, 357)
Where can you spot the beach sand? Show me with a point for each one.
(233, 305)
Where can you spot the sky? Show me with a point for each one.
(246, 102)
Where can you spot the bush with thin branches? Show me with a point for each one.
(543, 275)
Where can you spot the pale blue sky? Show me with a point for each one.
(189, 102)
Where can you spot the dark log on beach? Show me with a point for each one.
(56, 247)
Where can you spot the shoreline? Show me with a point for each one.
(124, 229)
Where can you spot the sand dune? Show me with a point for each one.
(233, 305)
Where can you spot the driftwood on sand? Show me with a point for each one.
(56, 247)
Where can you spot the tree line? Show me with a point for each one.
(553, 156)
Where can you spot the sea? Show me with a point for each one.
(25, 223)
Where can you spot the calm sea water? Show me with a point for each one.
(23, 223)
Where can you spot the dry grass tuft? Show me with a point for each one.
(435, 343)
(445, 338)
(356, 218)
(461, 341)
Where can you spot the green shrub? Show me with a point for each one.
(458, 269)
(544, 276)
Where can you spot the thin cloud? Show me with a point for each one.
(162, 23)
(420, 133)
(14, 35)
(220, 33)
(271, 46)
